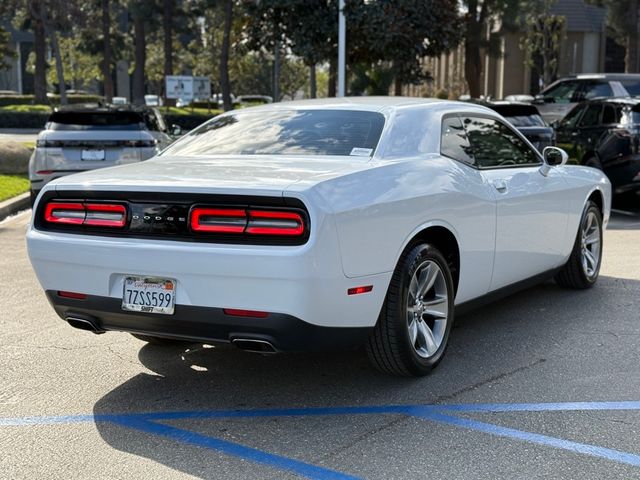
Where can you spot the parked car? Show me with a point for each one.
(319, 225)
(527, 120)
(255, 99)
(82, 138)
(119, 101)
(153, 101)
(555, 101)
(605, 134)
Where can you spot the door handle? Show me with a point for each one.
(500, 185)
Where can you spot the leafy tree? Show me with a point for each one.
(479, 16)
(6, 51)
(543, 33)
(402, 32)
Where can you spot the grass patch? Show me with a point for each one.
(190, 111)
(12, 185)
(26, 109)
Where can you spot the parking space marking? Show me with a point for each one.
(443, 414)
(230, 448)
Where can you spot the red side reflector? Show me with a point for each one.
(244, 313)
(218, 220)
(267, 222)
(66, 213)
(359, 290)
(74, 295)
(44, 172)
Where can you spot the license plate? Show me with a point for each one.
(92, 155)
(149, 295)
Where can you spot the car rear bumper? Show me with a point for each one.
(285, 333)
(301, 281)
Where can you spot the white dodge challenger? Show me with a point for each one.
(319, 225)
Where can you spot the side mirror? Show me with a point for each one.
(176, 130)
(539, 99)
(553, 156)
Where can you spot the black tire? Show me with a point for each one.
(573, 274)
(389, 346)
(159, 340)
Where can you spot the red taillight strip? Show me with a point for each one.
(90, 214)
(218, 220)
(55, 213)
(274, 222)
(74, 295)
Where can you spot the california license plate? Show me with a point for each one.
(92, 155)
(149, 295)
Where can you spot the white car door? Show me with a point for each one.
(532, 209)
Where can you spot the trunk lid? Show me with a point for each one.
(253, 175)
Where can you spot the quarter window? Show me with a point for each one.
(454, 142)
(495, 145)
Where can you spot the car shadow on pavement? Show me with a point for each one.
(499, 346)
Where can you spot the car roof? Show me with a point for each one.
(372, 104)
(600, 76)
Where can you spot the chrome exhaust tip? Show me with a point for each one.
(84, 324)
(254, 346)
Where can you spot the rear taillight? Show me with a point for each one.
(89, 214)
(141, 143)
(267, 222)
(247, 221)
(218, 220)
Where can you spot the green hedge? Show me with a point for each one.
(23, 120)
(6, 100)
(37, 120)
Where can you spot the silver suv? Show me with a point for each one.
(78, 139)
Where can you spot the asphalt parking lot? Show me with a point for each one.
(544, 384)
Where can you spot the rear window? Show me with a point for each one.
(285, 132)
(632, 86)
(96, 121)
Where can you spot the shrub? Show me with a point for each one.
(23, 120)
(14, 158)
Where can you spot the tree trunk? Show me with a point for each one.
(167, 25)
(62, 88)
(225, 85)
(313, 84)
(140, 59)
(53, 38)
(397, 90)
(472, 67)
(106, 52)
(40, 74)
(631, 55)
(333, 73)
(276, 73)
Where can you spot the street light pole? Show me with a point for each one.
(342, 40)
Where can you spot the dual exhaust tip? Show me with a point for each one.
(247, 344)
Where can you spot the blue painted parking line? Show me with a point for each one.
(444, 414)
(497, 430)
(232, 449)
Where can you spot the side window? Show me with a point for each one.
(561, 93)
(571, 119)
(454, 142)
(591, 117)
(596, 89)
(496, 145)
(609, 115)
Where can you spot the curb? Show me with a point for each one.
(14, 205)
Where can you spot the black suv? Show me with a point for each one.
(555, 101)
(605, 134)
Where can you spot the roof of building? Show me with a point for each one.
(580, 16)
